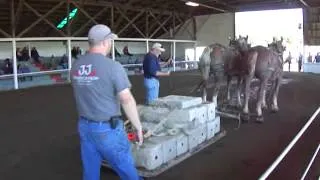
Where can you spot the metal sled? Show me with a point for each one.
(152, 173)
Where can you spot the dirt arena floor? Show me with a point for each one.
(39, 138)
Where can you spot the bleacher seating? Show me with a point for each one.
(52, 63)
(37, 80)
(125, 59)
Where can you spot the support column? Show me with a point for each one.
(195, 51)
(174, 56)
(15, 64)
(147, 42)
(14, 48)
(29, 49)
(69, 58)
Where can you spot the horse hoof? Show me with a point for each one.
(274, 110)
(245, 117)
(259, 119)
(264, 107)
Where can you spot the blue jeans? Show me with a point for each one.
(99, 141)
(152, 89)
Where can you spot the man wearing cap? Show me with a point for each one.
(152, 72)
(100, 85)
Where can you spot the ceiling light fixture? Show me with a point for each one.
(190, 3)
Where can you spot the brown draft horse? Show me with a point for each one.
(244, 62)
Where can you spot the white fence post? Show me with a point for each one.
(174, 56)
(69, 57)
(15, 64)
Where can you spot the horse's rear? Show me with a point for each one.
(268, 68)
(268, 63)
(211, 63)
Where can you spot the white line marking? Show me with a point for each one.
(288, 148)
(311, 162)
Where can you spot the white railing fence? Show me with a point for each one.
(289, 147)
(70, 40)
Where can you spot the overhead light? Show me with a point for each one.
(190, 3)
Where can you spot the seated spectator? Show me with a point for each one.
(64, 62)
(19, 55)
(35, 55)
(74, 53)
(79, 51)
(126, 51)
(8, 68)
(22, 68)
(25, 54)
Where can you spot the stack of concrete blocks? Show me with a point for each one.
(187, 122)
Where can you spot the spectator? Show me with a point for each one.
(300, 62)
(79, 51)
(35, 55)
(310, 58)
(74, 53)
(8, 68)
(23, 68)
(25, 54)
(126, 51)
(317, 58)
(64, 62)
(19, 55)
(288, 60)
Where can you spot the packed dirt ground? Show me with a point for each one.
(39, 138)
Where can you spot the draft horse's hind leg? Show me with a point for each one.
(274, 104)
(245, 111)
(229, 78)
(260, 98)
(218, 78)
(204, 91)
(239, 88)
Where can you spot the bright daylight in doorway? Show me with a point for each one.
(262, 26)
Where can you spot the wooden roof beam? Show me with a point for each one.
(122, 6)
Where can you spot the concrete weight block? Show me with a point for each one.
(182, 144)
(148, 156)
(192, 142)
(211, 111)
(202, 133)
(211, 129)
(152, 113)
(196, 135)
(169, 146)
(190, 114)
(201, 113)
(177, 102)
(217, 124)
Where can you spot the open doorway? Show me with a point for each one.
(262, 26)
